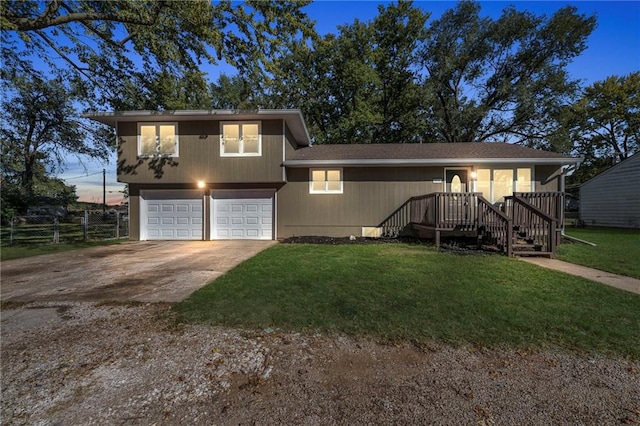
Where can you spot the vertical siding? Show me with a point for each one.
(613, 197)
(199, 157)
(542, 181)
(134, 213)
(370, 195)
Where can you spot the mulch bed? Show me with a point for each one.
(316, 239)
(455, 246)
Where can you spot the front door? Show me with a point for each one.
(457, 208)
(456, 180)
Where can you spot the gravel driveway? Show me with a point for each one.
(133, 365)
(67, 360)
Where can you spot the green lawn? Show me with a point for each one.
(411, 292)
(28, 250)
(617, 250)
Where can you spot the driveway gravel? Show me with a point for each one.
(134, 365)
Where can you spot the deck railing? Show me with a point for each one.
(532, 223)
(550, 203)
(396, 222)
(494, 226)
(537, 216)
(445, 210)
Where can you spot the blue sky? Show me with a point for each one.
(613, 49)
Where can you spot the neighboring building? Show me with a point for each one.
(227, 174)
(612, 198)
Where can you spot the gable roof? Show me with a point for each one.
(293, 118)
(422, 154)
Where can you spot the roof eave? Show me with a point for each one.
(431, 162)
(293, 118)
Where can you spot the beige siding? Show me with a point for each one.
(613, 197)
(134, 213)
(543, 183)
(369, 196)
(199, 157)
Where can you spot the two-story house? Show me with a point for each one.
(221, 174)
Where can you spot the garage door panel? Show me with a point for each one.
(242, 216)
(172, 215)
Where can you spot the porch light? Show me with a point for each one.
(474, 175)
(200, 184)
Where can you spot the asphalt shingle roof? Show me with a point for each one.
(427, 151)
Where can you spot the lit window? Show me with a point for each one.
(483, 183)
(325, 181)
(240, 139)
(157, 140)
(495, 184)
(523, 184)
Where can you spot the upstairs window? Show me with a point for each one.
(325, 181)
(157, 139)
(239, 139)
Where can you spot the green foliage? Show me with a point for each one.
(234, 92)
(102, 45)
(500, 79)
(39, 128)
(399, 292)
(461, 78)
(360, 86)
(604, 125)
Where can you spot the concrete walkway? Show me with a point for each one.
(613, 280)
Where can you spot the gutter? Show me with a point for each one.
(432, 161)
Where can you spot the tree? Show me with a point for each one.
(235, 92)
(103, 44)
(361, 85)
(501, 79)
(39, 129)
(163, 90)
(604, 124)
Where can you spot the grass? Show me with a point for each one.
(617, 250)
(28, 250)
(415, 293)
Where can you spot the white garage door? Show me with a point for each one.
(171, 215)
(242, 215)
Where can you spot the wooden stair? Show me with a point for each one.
(524, 245)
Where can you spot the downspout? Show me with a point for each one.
(565, 171)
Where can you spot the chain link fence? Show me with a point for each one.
(73, 227)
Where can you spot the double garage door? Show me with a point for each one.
(180, 215)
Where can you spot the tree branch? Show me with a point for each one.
(46, 19)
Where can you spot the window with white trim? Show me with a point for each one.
(157, 139)
(495, 184)
(238, 139)
(325, 181)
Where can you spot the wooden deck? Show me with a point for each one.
(526, 224)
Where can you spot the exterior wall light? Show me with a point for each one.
(200, 184)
